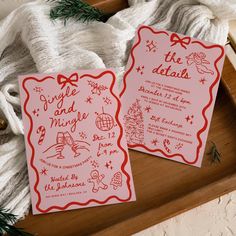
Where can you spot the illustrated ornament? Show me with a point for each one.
(199, 59)
(134, 126)
(116, 180)
(104, 121)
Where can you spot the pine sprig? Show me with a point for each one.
(214, 153)
(77, 10)
(6, 227)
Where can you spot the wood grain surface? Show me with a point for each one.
(164, 188)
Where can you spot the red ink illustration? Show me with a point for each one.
(202, 80)
(96, 180)
(154, 142)
(109, 165)
(140, 70)
(42, 131)
(38, 89)
(107, 100)
(134, 126)
(148, 109)
(151, 46)
(89, 99)
(179, 146)
(116, 180)
(63, 80)
(175, 39)
(55, 151)
(83, 135)
(166, 142)
(189, 119)
(43, 171)
(94, 164)
(199, 59)
(96, 88)
(36, 112)
(104, 121)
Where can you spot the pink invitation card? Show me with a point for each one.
(75, 144)
(168, 94)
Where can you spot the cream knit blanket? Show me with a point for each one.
(31, 42)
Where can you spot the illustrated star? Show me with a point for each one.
(187, 118)
(44, 171)
(107, 100)
(138, 69)
(89, 100)
(154, 142)
(151, 46)
(147, 109)
(35, 112)
(108, 165)
(202, 81)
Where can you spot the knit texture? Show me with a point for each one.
(30, 42)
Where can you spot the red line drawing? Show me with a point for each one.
(32, 164)
(151, 46)
(36, 112)
(96, 88)
(179, 146)
(148, 109)
(140, 69)
(202, 80)
(38, 89)
(96, 180)
(134, 126)
(94, 164)
(83, 135)
(104, 121)
(154, 142)
(108, 165)
(208, 104)
(44, 171)
(175, 39)
(116, 180)
(71, 80)
(165, 143)
(89, 99)
(199, 60)
(55, 151)
(42, 131)
(189, 119)
(107, 100)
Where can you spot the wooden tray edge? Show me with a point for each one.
(173, 208)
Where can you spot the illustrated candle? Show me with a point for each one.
(76, 149)
(168, 94)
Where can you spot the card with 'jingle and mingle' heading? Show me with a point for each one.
(168, 94)
(76, 149)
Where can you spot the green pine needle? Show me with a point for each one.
(77, 10)
(6, 227)
(214, 153)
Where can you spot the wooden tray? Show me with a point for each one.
(164, 188)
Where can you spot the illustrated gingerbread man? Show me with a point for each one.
(96, 179)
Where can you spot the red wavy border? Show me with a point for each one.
(118, 144)
(203, 110)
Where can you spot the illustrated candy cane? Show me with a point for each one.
(165, 143)
(42, 131)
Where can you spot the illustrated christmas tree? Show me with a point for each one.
(134, 126)
(116, 180)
